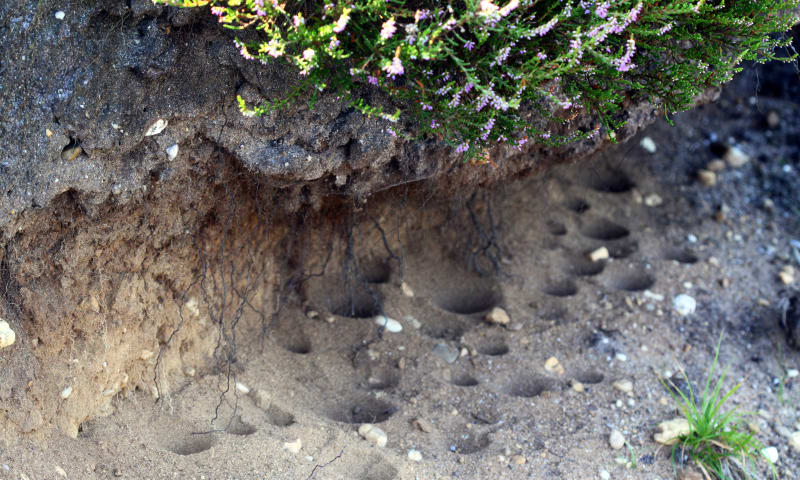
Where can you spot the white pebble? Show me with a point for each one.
(242, 388)
(599, 254)
(684, 304)
(389, 324)
(407, 291)
(60, 15)
(794, 441)
(691, 238)
(7, 336)
(624, 386)
(373, 434)
(66, 393)
(791, 373)
(156, 127)
(621, 357)
(414, 455)
(616, 440)
(293, 447)
(648, 144)
(771, 454)
(172, 151)
(604, 475)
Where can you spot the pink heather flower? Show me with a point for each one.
(372, 80)
(395, 68)
(487, 8)
(309, 53)
(469, 45)
(427, 107)
(462, 148)
(388, 29)
(421, 15)
(634, 14)
(543, 29)
(546, 134)
(541, 56)
(298, 20)
(509, 8)
(244, 52)
(342, 22)
(624, 63)
(218, 11)
(666, 28)
(602, 10)
(334, 42)
(435, 124)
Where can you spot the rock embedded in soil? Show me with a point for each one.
(707, 177)
(498, 316)
(415, 455)
(671, 430)
(373, 434)
(684, 304)
(616, 440)
(422, 425)
(406, 289)
(554, 366)
(388, 324)
(578, 386)
(7, 335)
(624, 386)
(786, 275)
(599, 254)
(771, 454)
(518, 459)
(716, 165)
(293, 447)
(794, 441)
(648, 144)
(446, 352)
(653, 200)
(735, 157)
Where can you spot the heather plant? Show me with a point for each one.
(475, 73)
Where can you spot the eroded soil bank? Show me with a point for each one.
(200, 331)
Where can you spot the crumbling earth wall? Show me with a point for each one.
(142, 215)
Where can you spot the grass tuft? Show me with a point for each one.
(718, 441)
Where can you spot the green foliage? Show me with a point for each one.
(476, 74)
(718, 441)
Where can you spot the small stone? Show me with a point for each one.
(406, 289)
(599, 254)
(373, 434)
(312, 314)
(716, 165)
(446, 352)
(653, 200)
(768, 203)
(48, 132)
(60, 471)
(773, 119)
(242, 388)
(736, 157)
(648, 144)
(340, 180)
(172, 151)
(794, 441)
(189, 371)
(616, 440)
(498, 316)
(604, 475)
(771, 454)
(293, 447)
(60, 15)
(684, 304)
(518, 459)
(157, 127)
(713, 261)
(388, 324)
(422, 425)
(786, 275)
(670, 431)
(554, 366)
(792, 373)
(146, 355)
(624, 386)
(621, 357)
(66, 393)
(413, 322)
(707, 177)
(7, 335)
(117, 472)
(415, 455)
(578, 386)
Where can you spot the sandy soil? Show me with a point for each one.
(475, 399)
